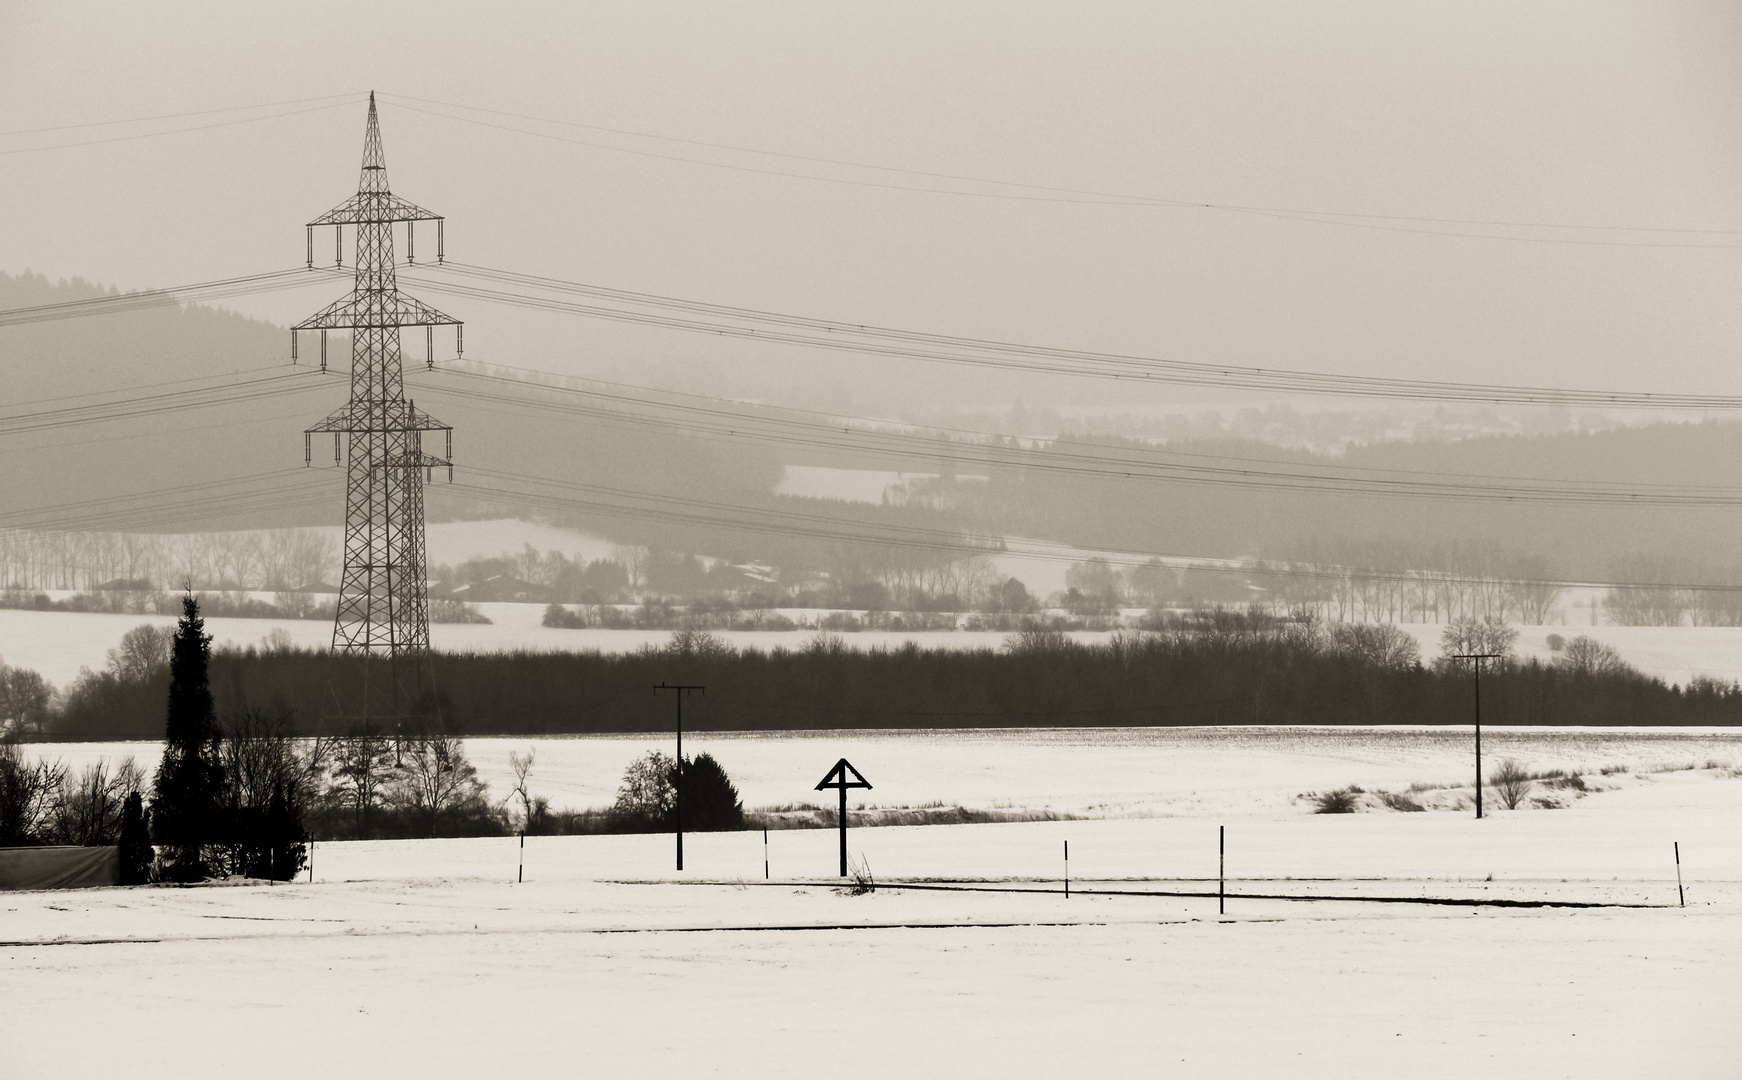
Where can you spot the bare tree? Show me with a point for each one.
(1511, 782)
(143, 652)
(1534, 600)
(88, 812)
(363, 767)
(1378, 643)
(521, 764)
(26, 700)
(633, 559)
(1589, 657)
(28, 796)
(438, 777)
(1467, 635)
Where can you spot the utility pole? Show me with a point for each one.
(677, 782)
(383, 609)
(1476, 660)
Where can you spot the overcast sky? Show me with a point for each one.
(1577, 113)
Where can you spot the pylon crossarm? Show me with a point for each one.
(374, 208)
(375, 310)
(378, 416)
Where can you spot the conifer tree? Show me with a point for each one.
(136, 852)
(190, 778)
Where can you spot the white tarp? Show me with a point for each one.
(59, 867)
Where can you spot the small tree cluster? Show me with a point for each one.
(1470, 636)
(41, 803)
(373, 786)
(648, 798)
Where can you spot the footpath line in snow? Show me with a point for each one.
(599, 930)
(1434, 901)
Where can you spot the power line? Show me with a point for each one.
(676, 509)
(633, 394)
(160, 404)
(804, 331)
(199, 292)
(177, 116)
(1029, 192)
(177, 131)
(177, 504)
(793, 428)
(752, 324)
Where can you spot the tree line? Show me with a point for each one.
(269, 559)
(1206, 667)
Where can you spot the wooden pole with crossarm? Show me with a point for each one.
(843, 776)
(1476, 662)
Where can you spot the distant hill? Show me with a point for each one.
(117, 352)
(125, 351)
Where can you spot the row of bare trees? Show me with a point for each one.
(256, 559)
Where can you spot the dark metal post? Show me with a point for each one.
(520, 872)
(311, 862)
(1067, 869)
(843, 832)
(1222, 869)
(677, 779)
(677, 782)
(1478, 740)
(1680, 895)
(764, 853)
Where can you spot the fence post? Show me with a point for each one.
(1221, 869)
(764, 853)
(1680, 895)
(520, 872)
(1067, 869)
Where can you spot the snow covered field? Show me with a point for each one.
(425, 958)
(1095, 772)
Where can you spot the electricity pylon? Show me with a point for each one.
(383, 608)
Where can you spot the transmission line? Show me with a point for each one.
(553, 494)
(197, 293)
(719, 320)
(1027, 192)
(793, 428)
(173, 131)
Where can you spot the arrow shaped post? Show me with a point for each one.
(842, 777)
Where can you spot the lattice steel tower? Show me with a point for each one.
(378, 435)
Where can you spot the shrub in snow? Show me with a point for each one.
(1511, 782)
(1401, 800)
(1340, 801)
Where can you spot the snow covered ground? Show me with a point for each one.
(1097, 772)
(426, 958)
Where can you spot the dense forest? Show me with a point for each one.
(1214, 668)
